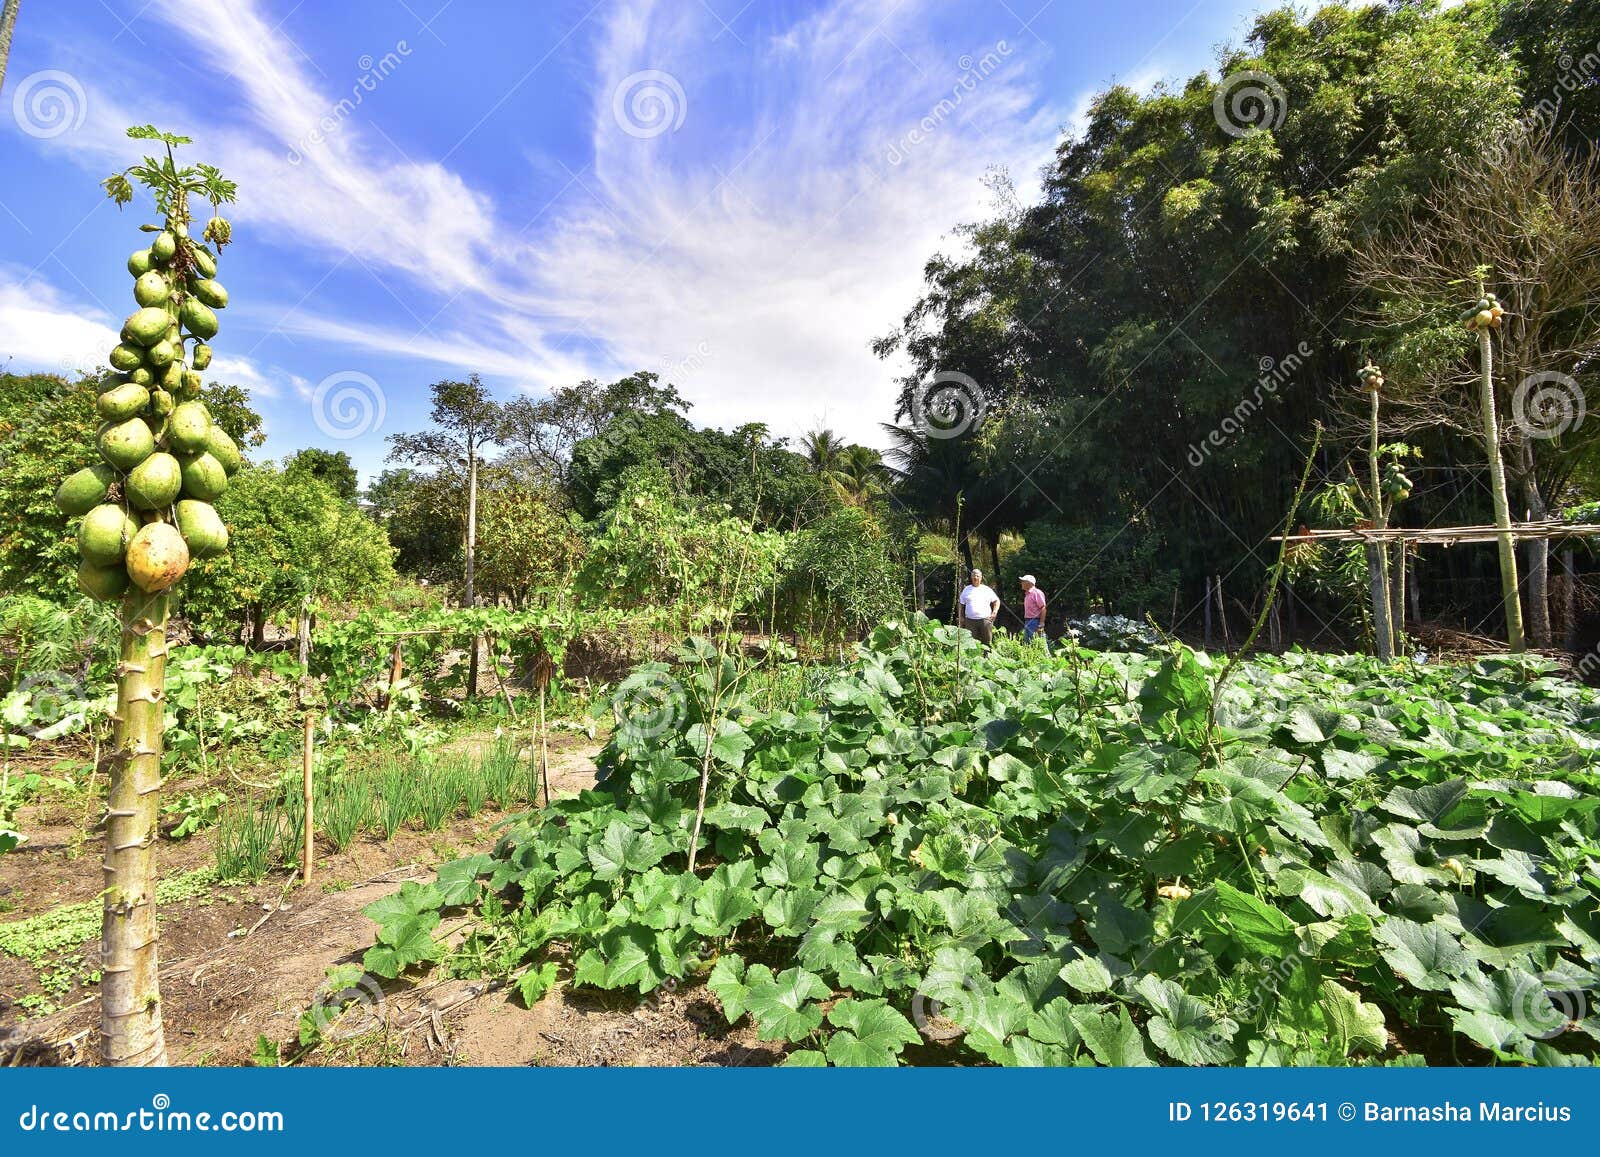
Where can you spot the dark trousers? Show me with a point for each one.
(981, 629)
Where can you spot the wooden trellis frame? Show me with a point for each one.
(1444, 535)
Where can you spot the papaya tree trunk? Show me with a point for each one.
(8, 25)
(130, 1016)
(472, 558)
(1510, 588)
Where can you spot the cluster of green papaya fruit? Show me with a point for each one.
(1396, 485)
(1371, 378)
(146, 508)
(1485, 313)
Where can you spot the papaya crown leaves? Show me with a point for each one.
(151, 133)
(170, 185)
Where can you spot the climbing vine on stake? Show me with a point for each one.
(145, 513)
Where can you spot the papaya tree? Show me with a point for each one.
(1481, 317)
(1387, 484)
(8, 24)
(145, 511)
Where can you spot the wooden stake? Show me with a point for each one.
(1569, 599)
(1222, 615)
(308, 764)
(396, 672)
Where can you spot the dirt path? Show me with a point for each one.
(242, 963)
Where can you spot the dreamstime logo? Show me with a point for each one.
(1273, 374)
(373, 73)
(974, 71)
(348, 404)
(84, 360)
(1547, 1005)
(49, 103)
(696, 359)
(55, 699)
(947, 405)
(1547, 404)
(649, 103)
(348, 1012)
(957, 994)
(1249, 100)
(648, 705)
(1578, 74)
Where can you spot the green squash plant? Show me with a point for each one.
(145, 512)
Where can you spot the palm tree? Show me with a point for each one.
(928, 476)
(823, 449)
(861, 475)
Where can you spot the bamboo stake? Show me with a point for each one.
(544, 748)
(1377, 555)
(308, 764)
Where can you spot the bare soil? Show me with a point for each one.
(246, 962)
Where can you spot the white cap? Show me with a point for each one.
(1028, 578)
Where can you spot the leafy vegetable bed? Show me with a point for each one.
(967, 857)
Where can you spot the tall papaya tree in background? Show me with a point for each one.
(8, 26)
(145, 511)
(1524, 216)
(467, 420)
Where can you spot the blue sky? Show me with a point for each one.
(739, 196)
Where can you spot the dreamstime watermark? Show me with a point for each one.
(374, 71)
(1547, 404)
(1274, 373)
(160, 1117)
(692, 363)
(1275, 974)
(49, 103)
(348, 404)
(1249, 100)
(349, 1011)
(940, 992)
(55, 705)
(974, 71)
(1546, 1005)
(648, 705)
(1577, 74)
(649, 103)
(948, 405)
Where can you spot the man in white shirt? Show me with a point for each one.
(979, 605)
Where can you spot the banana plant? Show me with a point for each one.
(145, 513)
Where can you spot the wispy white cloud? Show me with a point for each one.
(48, 331)
(751, 255)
